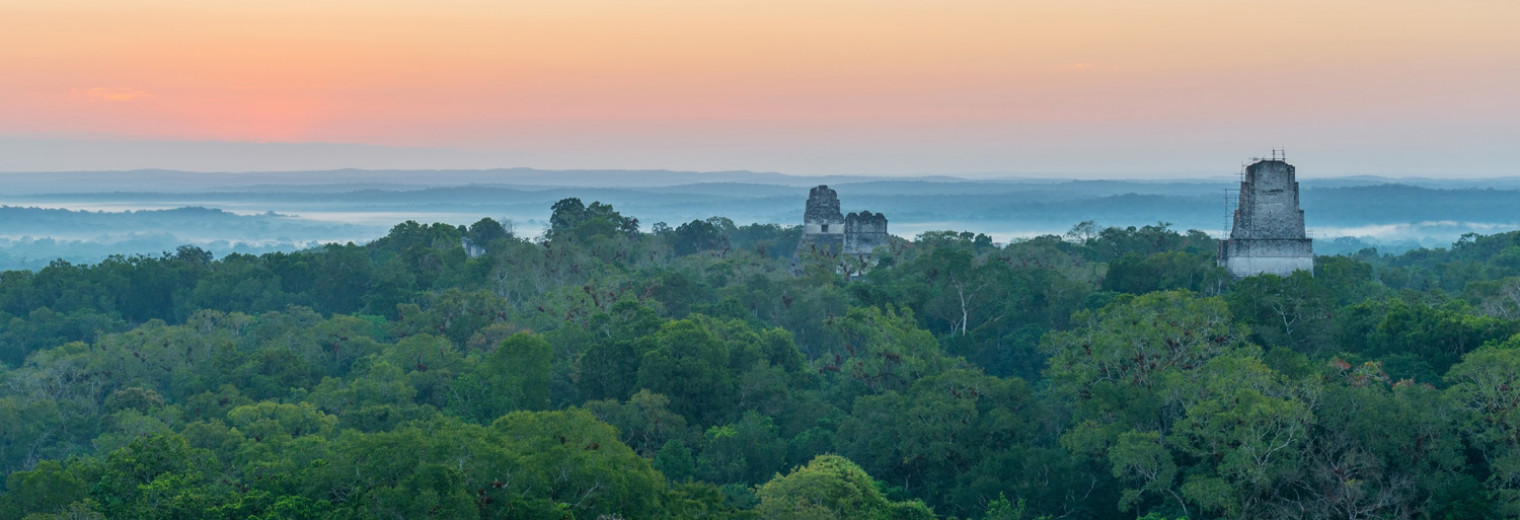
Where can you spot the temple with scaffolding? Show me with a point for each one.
(1267, 235)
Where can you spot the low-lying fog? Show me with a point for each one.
(48, 216)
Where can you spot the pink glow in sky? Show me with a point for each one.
(1117, 87)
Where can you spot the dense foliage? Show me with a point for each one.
(703, 371)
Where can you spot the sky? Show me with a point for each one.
(1080, 88)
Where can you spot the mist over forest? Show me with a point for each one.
(985, 260)
(83, 217)
(595, 365)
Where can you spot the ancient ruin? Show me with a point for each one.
(824, 228)
(864, 232)
(1268, 233)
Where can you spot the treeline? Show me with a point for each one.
(704, 370)
(34, 236)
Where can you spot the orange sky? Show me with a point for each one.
(823, 86)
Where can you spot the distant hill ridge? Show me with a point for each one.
(355, 179)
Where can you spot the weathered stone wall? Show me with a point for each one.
(1268, 236)
(1270, 247)
(822, 205)
(864, 232)
(1269, 203)
(1247, 257)
(823, 227)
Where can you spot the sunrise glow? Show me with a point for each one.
(864, 86)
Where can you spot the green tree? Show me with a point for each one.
(571, 217)
(1487, 383)
(578, 461)
(46, 488)
(515, 376)
(876, 350)
(1128, 368)
(688, 363)
(698, 235)
(1292, 311)
(487, 230)
(675, 461)
(1169, 270)
(937, 436)
(831, 487)
(748, 451)
(1118, 357)
(645, 422)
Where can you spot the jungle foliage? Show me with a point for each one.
(703, 371)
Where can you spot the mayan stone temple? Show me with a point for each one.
(1268, 234)
(824, 228)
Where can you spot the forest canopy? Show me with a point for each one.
(608, 369)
